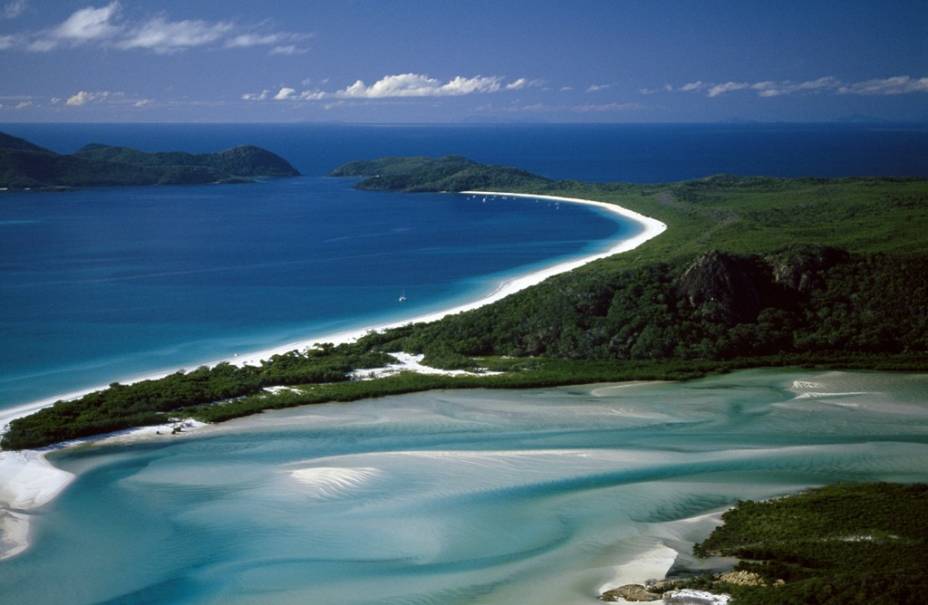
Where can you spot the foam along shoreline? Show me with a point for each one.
(51, 481)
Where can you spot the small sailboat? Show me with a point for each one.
(402, 297)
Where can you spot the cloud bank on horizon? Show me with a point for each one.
(399, 61)
(895, 85)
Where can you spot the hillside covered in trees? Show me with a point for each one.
(751, 272)
(834, 545)
(448, 173)
(25, 165)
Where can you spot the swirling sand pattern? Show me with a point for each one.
(488, 497)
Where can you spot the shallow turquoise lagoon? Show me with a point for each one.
(454, 497)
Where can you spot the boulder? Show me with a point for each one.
(629, 592)
(742, 578)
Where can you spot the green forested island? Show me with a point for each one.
(751, 272)
(448, 173)
(24, 165)
(834, 545)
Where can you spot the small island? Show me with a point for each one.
(24, 165)
(425, 174)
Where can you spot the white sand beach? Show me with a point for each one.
(27, 481)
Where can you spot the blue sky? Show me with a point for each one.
(461, 61)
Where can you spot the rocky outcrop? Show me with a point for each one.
(630, 592)
(742, 578)
(802, 268)
(725, 286)
(733, 288)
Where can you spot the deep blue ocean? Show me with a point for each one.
(104, 284)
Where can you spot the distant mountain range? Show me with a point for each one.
(24, 165)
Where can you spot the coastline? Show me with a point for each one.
(50, 481)
(651, 228)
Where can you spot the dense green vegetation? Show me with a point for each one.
(149, 401)
(449, 173)
(839, 544)
(24, 165)
(751, 272)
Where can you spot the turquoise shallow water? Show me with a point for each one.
(491, 497)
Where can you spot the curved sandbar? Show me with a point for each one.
(15, 465)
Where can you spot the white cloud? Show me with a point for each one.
(285, 94)
(288, 50)
(693, 86)
(769, 88)
(257, 96)
(566, 88)
(13, 9)
(896, 85)
(103, 26)
(312, 95)
(597, 87)
(282, 43)
(522, 83)
(87, 97)
(397, 86)
(23, 104)
(726, 87)
(164, 36)
(418, 85)
(253, 39)
(653, 91)
(84, 25)
(823, 83)
(84, 97)
(89, 23)
(42, 45)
